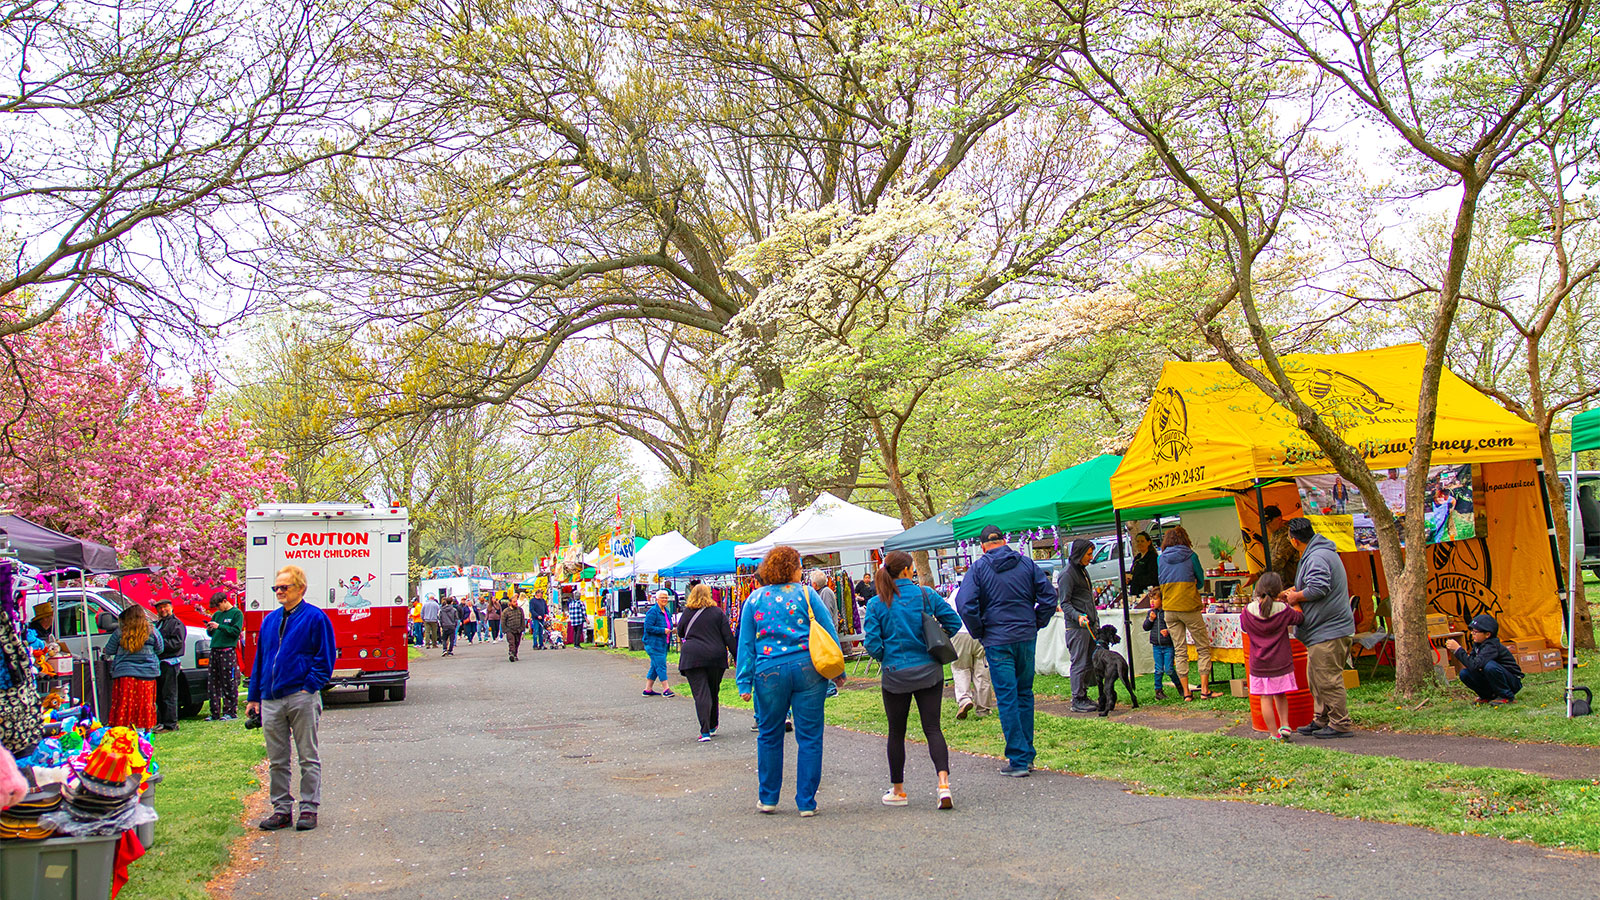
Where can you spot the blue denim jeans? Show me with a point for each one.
(1011, 673)
(779, 688)
(1165, 666)
(658, 665)
(416, 633)
(1494, 681)
(538, 633)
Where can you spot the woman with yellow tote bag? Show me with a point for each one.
(785, 636)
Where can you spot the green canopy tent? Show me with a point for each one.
(1075, 499)
(1585, 437)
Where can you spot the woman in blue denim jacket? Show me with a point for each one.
(775, 668)
(893, 636)
(657, 635)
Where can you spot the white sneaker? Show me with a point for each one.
(945, 800)
(892, 799)
(807, 813)
(769, 809)
(964, 709)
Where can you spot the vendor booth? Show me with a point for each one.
(662, 551)
(1208, 431)
(717, 559)
(828, 525)
(1583, 527)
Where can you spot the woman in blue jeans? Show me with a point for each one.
(656, 626)
(775, 669)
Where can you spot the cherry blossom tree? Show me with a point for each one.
(94, 444)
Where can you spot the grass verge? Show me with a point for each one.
(208, 770)
(1442, 797)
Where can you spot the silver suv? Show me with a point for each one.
(104, 605)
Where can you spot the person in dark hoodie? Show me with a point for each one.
(449, 622)
(1490, 669)
(1004, 600)
(1081, 618)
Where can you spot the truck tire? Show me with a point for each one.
(398, 692)
(188, 705)
(375, 693)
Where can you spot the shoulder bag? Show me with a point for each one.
(933, 636)
(826, 657)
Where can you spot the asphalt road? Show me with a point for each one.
(552, 777)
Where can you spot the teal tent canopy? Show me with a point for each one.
(1078, 499)
(717, 559)
(1586, 431)
(939, 531)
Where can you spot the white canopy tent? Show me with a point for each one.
(661, 551)
(828, 525)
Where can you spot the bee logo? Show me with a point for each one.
(1169, 424)
(1333, 393)
(1462, 582)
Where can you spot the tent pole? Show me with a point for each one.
(1572, 581)
(1266, 540)
(1122, 588)
(1550, 530)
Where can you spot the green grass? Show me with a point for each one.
(1540, 713)
(208, 770)
(1439, 796)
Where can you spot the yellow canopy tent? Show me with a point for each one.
(1209, 429)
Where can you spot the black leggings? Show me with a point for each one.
(705, 683)
(898, 708)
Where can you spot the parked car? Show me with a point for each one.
(103, 607)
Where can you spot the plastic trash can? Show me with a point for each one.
(635, 634)
(70, 868)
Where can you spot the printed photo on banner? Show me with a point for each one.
(1450, 507)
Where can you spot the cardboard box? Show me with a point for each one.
(1438, 624)
(1552, 659)
(1239, 688)
(1351, 679)
(1530, 662)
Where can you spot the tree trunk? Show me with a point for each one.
(897, 487)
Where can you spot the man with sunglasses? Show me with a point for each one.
(295, 653)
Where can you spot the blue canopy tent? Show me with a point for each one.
(717, 559)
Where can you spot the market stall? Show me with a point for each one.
(828, 525)
(1208, 431)
(1585, 438)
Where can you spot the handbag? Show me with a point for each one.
(826, 657)
(933, 636)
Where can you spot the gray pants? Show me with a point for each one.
(293, 718)
(971, 671)
(1080, 647)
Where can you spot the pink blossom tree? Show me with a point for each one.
(94, 445)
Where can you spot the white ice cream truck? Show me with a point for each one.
(355, 558)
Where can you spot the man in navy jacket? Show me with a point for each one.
(1004, 600)
(295, 652)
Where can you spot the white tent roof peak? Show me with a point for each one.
(661, 551)
(828, 525)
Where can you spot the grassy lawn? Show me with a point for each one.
(1442, 797)
(208, 770)
(1540, 713)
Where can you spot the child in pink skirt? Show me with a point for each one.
(1267, 620)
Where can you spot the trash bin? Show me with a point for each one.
(72, 868)
(635, 634)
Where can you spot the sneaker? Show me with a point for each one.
(964, 709)
(650, 693)
(756, 727)
(1160, 694)
(704, 738)
(1084, 707)
(768, 808)
(1015, 771)
(1326, 733)
(1310, 729)
(807, 813)
(275, 822)
(890, 798)
(1498, 701)
(945, 800)
(163, 729)
(1284, 732)
(1480, 701)
(668, 693)
(711, 733)
(229, 717)
(308, 821)
(788, 726)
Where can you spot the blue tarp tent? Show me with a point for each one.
(716, 559)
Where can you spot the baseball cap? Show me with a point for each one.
(990, 533)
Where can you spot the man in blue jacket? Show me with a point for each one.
(295, 652)
(1004, 601)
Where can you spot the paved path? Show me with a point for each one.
(553, 778)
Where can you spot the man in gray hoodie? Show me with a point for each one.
(1322, 590)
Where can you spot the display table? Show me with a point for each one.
(1227, 639)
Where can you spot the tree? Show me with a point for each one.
(97, 447)
(140, 135)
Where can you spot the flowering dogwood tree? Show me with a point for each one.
(94, 445)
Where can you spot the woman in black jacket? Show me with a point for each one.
(1082, 620)
(707, 643)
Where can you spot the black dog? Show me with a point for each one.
(1108, 667)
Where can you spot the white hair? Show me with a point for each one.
(819, 575)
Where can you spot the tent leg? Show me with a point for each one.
(1266, 539)
(1572, 571)
(1555, 548)
(1122, 588)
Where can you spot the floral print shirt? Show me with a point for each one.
(775, 628)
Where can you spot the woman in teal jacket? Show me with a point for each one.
(657, 636)
(893, 636)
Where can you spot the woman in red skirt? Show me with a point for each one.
(134, 668)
